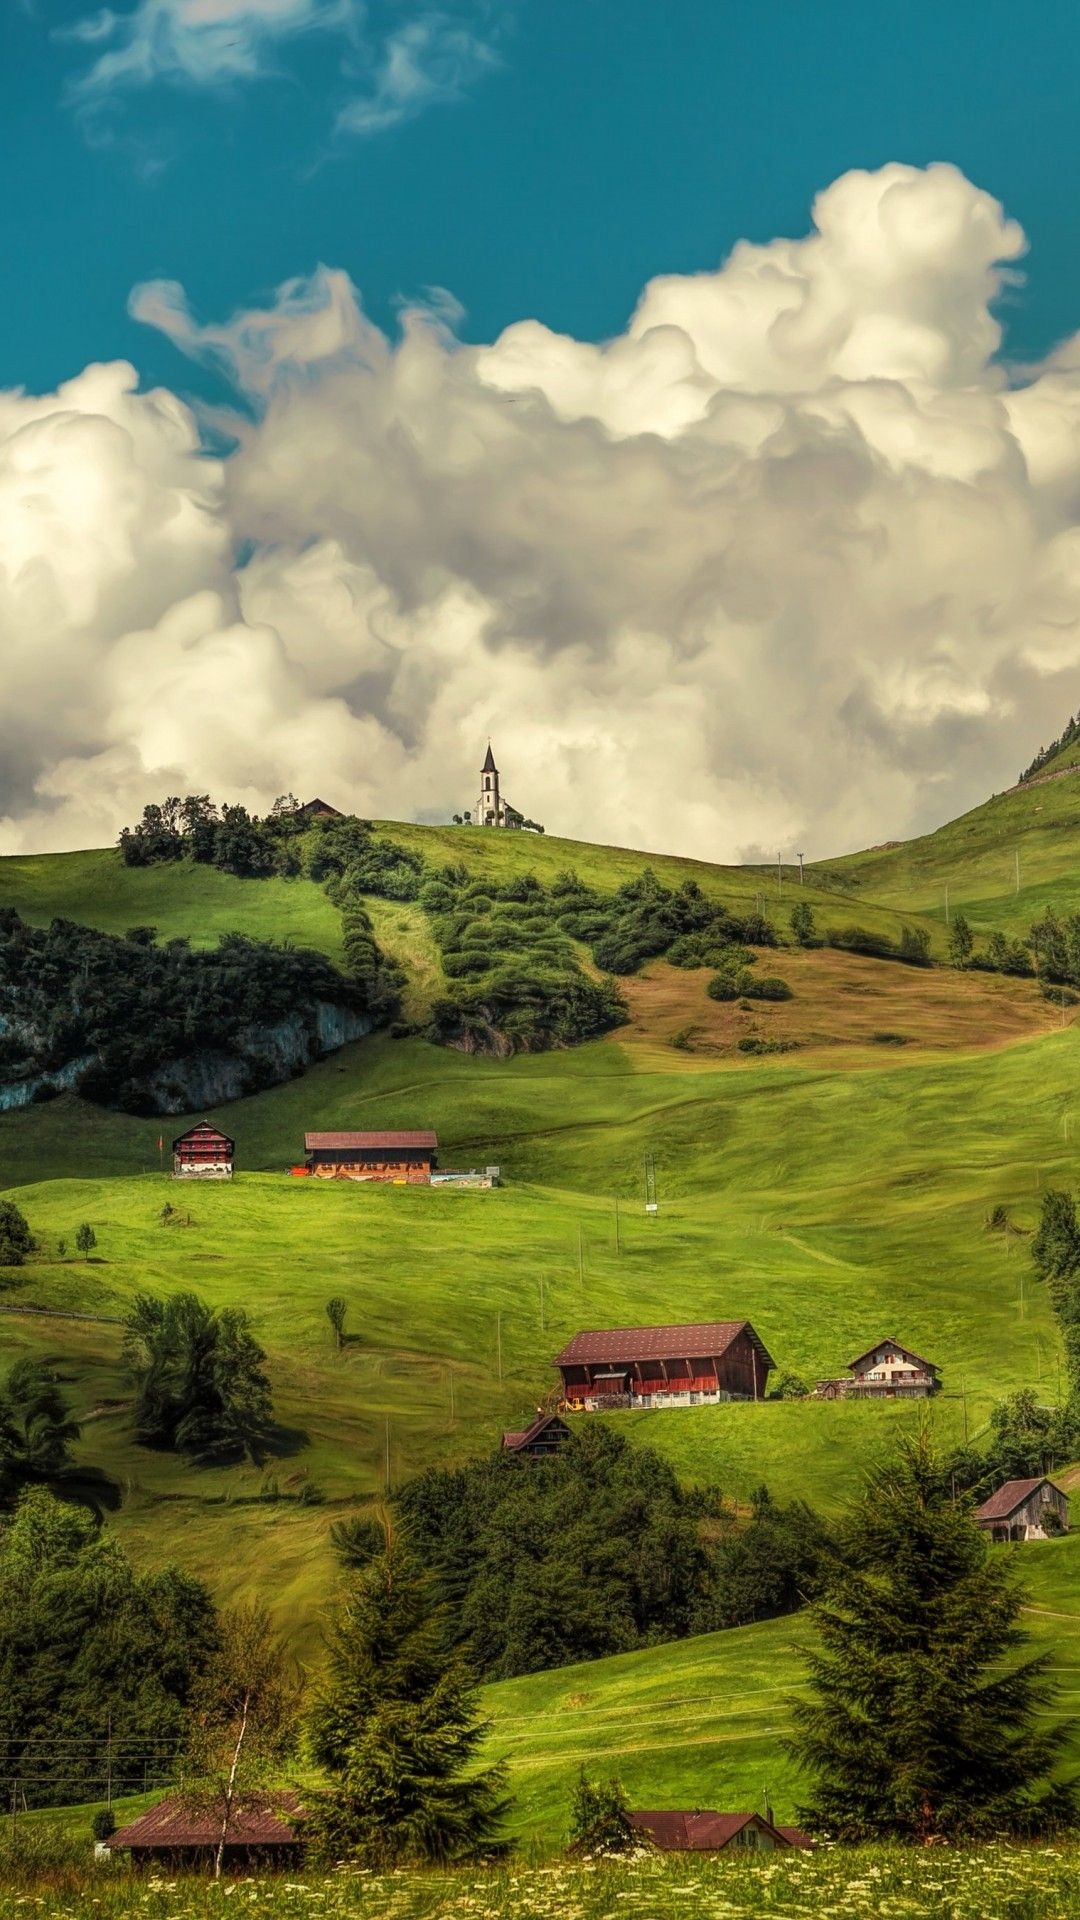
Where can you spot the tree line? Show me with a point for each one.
(118, 1019)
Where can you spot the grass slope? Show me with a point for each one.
(976, 858)
(702, 1723)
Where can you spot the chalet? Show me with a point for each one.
(172, 1834)
(402, 1157)
(203, 1152)
(540, 1440)
(708, 1832)
(664, 1366)
(318, 810)
(886, 1371)
(1024, 1510)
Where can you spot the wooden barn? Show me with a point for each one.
(203, 1152)
(319, 810)
(171, 1834)
(707, 1832)
(408, 1157)
(664, 1366)
(540, 1440)
(886, 1371)
(1024, 1510)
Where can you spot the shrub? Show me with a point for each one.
(16, 1240)
(754, 1043)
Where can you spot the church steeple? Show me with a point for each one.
(489, 807)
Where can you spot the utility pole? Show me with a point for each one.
(498, 1341)
(580, 1257)
(108, 1768)
(1017, 869)
(779, 877)
(453, 1410)
(541, 1303)
(946, 903)
(963, 1395)
(618, 1248)
(650, 1184)
(387, 1469)
(799, 858)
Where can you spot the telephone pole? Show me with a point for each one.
(799, 858)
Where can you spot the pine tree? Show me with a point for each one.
(395, 1727)
(923, 1721)
(961, 941)
(1055, 1252)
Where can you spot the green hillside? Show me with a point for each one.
(701, 1723)
(832, 1194)
(1036, 826)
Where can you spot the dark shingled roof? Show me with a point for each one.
(516, 1437)
(417, 1137)
(1010, 1496)
(489, 761)
(906, 1351)
(171, 1824)
(612, 1345)
(705, 1831)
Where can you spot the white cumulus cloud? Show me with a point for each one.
(792, 562)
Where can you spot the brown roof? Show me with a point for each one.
(705, 1831)
(171, 1823)
(1010, 1496)
(516, 1437)
(608, 1346)
(200, 1130)
(906, 1351)
(417, 1137)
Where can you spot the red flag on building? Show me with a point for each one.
(160, 1143)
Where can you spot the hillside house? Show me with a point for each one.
(708, 1832)
(171, 1835)
(540, 1440)
(684, 1366)
(318, 810)
(1024, 1510)
(886, 1371)
(405, 1157)
(202, 1153)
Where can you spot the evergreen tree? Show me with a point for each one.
(395, 1727)
(16, 1240)
(803, 929)
(923, 1721)
(201, 1383)
(37, 1430)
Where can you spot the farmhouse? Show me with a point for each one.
(664, 1366)
(203, 1152)
(319, 810)
(538, 1441)
(171, 1834)
(1024, 1510)
(886, 1371)
(708, 1832)
(403, 1157)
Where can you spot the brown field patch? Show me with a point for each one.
(879, 1009)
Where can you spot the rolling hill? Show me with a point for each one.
(832, 1193)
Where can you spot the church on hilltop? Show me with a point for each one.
(491, 809)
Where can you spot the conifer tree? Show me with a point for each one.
(396, 1729)
(924, 1719)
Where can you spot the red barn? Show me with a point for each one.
(203, 1152)
(172, 1834)
(665, 1366)
(404, 1157)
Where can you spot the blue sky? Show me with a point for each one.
(542, 157)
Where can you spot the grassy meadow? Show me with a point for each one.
(1010, 1883)
(832, 1194)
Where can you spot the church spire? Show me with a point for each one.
(489, 761)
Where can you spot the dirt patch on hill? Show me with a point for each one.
(884, 1010)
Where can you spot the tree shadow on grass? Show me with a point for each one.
(283, 1443)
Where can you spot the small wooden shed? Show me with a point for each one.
(171, 1834)
(664, 1366)
(203, 1152)
(540, 1440)
(1024, 1510)
(704, 1831)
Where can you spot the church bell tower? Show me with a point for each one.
(489, 805)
